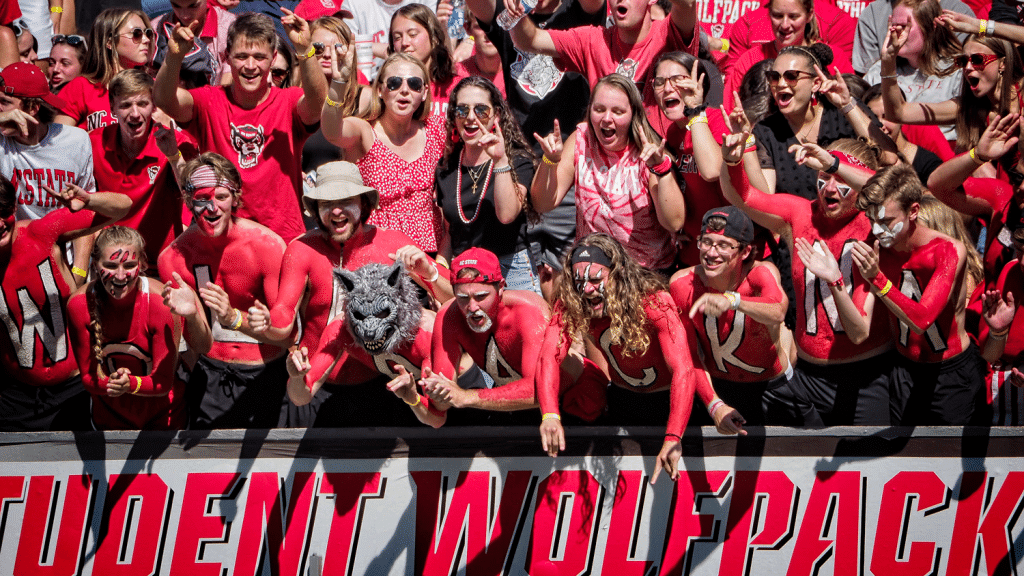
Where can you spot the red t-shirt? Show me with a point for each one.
(88, 103)
(1005, 217)
(140, 334)
(1011, 281)
(929, 137)
(928, 288)
(265, 144)
(699, 194)
(246, 263)
(835, 26)
(9, 12)
(734, 346)
(148, 180)
(35, 288)
(819, 331)
(508, 352)
(668, 362)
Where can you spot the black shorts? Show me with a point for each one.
(368, 404)
(26, 408)
(768, 403)
(939, 393)
(846, 394)
(224, 395)
(627, 408)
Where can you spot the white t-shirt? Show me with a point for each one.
(63, 155)
(918, 87)
(36, 13)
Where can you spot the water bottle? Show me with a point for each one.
(456, 22)
(506, 22)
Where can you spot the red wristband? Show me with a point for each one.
(838, 283)
(879, 280)
(663, 168)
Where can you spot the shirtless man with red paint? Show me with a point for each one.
(234, 264)
(502, 331)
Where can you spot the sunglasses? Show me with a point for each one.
(481, 111)
(19, 27)
(69, 39)
(319, 47)
(393, 83)
(722, 248)
(137, 33)
(843, 189)
(791, 76)
(676, 80)
(1015, 177)
(278, 73)
(978, 61)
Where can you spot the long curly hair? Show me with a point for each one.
(109, 236)
(442, 64)
(629, 287)
(515, 144)
(972, 118)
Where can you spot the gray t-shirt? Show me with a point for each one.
(873, 25)
(63, 155)
(918, 87)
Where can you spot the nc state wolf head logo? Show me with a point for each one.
(248, 140)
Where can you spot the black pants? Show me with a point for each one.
(224, 395)
(851, 393)
(26, 408)
(939, 393)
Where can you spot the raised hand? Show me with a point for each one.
(957, 22)
(182, 39)
(552, 143)
(736, 119)
(166, 140)
(342, 60)
(298, 31)
(811, 155)
(180, 299)
(298, 362)
(73, 197)
(999, 137)
(895, 40)
(818, 259)
(734, 142)
(692, 88)
(16, 121)
(415, 261)
(866, 259)
(997, 311)
(444, 12)
(494, 144)
(834, 88)
(652, 154)
(259, 317)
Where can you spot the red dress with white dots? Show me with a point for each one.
(407, 188)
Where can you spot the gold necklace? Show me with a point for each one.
(810, 126)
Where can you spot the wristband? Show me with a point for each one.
(990, 28)
(339, 81)
(837, 284)
(175, 157)
(551, 415)
(698, 119)
(138, 385)
(331, 103)
(1000, 335)
(848, 107)
(419, 399)
(977, 157)
(725, 45)
(715, 405)
(676, 436)
(736, 163)
(307, 55)
(885, 289)
(548, 161)
(663, 168)
(887, 76)
(79, 272)
(56, 9)
(695, 111)
(834, 167)
(237, 322)
(734, 299)
(983, 28)
(503, 169)
(432, 279)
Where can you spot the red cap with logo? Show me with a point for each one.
(483, 261)
(23, 80)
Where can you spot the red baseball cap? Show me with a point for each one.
(23, 80)
(483, 261)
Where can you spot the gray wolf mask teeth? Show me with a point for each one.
(381, 307)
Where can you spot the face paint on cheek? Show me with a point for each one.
(200, 206)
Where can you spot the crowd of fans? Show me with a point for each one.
(216, 218)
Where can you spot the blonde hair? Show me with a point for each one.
(102, 62)
(109, 236)
(376, 108)
(350, 97)
(941, 218)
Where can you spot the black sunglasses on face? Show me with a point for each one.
(395, 82)
(481, 111)
(69, 39)
(791, 76)
(137, 33)
(278, 73)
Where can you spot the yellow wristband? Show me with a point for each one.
(175, 157)
(57, 9)
(551, 415)
(698, 119)
(79, 272)
(725, 45)
(974, 156)
(307, 55)
(885, 289)
(983, 27)
(419, 399)
(237, 322)
(331, 103)
(138, 385)
(548, 161)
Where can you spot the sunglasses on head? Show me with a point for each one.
(393, 83)
(843, 189)
(791, 76)
(69, 39)
(19, 27)
(137, 33)
(978, 61)
(481, 111)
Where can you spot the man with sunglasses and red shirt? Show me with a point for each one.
(260, 127)
(843, 343)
